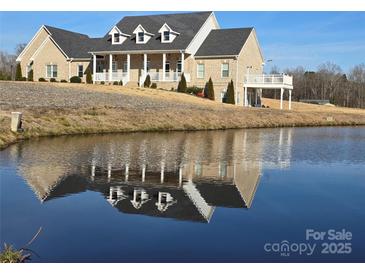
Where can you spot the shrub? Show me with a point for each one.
(89, 78)
(181, 87)
(193, 90)
(63, 81)
(102, 83)
(18, 73)
(121, 83)
(154, 85)
(75, 79)
(30, 75)
(147, 81)
(210, 89)
(53, 80)
(23, 79)
(230, 94)
(115, 83)
(42, 79)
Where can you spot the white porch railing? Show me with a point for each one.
(169, 77)
(116, 76)
(269, 79)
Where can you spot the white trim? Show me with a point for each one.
(200, 30)
(170, 29)
(39, 49)
(197, 71)
(136, 51)
(222, 64)
(118, 30)
(215, 56)
(59, 47)
(19, 58)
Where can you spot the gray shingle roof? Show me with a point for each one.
(187, 24)
(75, 45)
(222, 42)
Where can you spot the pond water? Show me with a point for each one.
(258, 195)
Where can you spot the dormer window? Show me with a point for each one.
(167, 34)
(140, 37)
(116, 38)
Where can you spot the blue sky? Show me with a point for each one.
(288, 38)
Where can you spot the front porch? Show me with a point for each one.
(128, 67)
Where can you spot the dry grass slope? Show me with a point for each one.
(140, 109)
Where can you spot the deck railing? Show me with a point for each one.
(116, 76)
(169, 77)
(269, 79)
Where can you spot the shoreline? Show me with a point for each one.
(10, 138)
(57, 109)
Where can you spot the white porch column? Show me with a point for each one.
(110, 67)
(281, 98)
(290, 99)
(182, 62)
(145, 64)
(129, 66)
(163, 66)
(245, 98)
(94, 68)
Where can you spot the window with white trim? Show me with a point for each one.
(225, 70)
(125, 66)
(200, 70)
(166, 36)
(140, 37)
(51, 71)
(116, 38)
(80, 71)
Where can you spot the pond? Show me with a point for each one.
(257, 195)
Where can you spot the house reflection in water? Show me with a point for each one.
(182, 176)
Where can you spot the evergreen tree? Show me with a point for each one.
(18, 73)
(181, 87)
(230, 94)
(89, 78)
(206, 95)
(147, 81)
(211, 90)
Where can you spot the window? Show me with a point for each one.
(167, 68)
(80, 71)
(140, 36)
(166, 36)
(225, 70)
(116, 37)
(200, 71)
(114, 66)
(51, 71)
(178, 66)
(148, 65)
(125, 66)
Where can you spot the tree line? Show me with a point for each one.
(328, 82)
